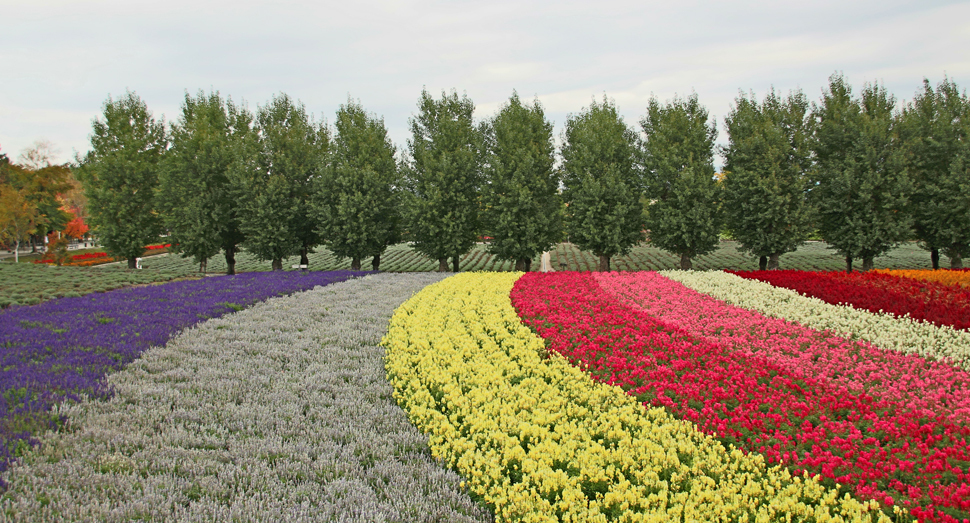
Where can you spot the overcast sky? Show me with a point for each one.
(63, 58)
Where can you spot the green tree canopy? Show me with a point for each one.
(357, 201)
(860, 187)
(275, 171)
(684, 215)
(936, 129)
(120, 176)
(443, 178)
(602, 183)
(767, 156)
(198, 202)
(522, 208)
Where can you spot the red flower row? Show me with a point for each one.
(872, 447)
(929, 301)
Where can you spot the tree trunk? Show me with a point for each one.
(376, 262)
(848, 264)
(355, 263)
(604, 264)
(763, 263)
(442, 264)
(773, 261)
(303, 257)
(277, 264)
(520, 265)
(16, 252)
(935, 258)
(231, 261)
(867, 263)
(956, 262)
(202, 266)
(685, 263)
(132, 263)
(528, 264)
(454, 262)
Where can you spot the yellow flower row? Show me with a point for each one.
(538, 440)
(944, 276)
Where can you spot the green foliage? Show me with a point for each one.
(357, 200)
(120, 176)
(443, 178)
(684, 217)
(860, 186)
(936, 129)
(18, 217)
(602, 183)
(767, 156)
(522, 209)
(198, 201)
(275, 170)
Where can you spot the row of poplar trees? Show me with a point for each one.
(851, 168)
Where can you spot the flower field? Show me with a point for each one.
(921, 299)
(563, 396)
(62, 349)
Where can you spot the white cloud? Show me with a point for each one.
(66, 57)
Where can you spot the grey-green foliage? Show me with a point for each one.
(602, 183)
(684, 217)
(767, 156)
(936, 128)
(522, 209)
(443, 178)
(860, 187)
(276, 168)
(356, 202)
(120, 176)
(198, 201)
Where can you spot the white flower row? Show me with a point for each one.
(902, 334)
(281, 412)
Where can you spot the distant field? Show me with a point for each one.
(28, 283)
(813, 256)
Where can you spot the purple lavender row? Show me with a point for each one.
(62, 349)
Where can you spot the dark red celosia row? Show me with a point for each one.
(871, 446)
(929, 301)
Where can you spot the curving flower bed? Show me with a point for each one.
(933, 302)
(885, 331)
(879, 447)
(281, 412)
(62, 349)
(539, 440)
(945, 276)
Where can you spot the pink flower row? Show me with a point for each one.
(929, 388)
(880, 447)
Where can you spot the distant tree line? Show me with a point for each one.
(852, 169)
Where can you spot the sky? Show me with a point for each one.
(62, 59)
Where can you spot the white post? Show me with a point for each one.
(546, 261)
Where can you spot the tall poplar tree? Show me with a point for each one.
(276, 173)
(120, 176)
(357, 198)
(522, 209)
(765, 188)
(936, 129)
(602, 182)
(684, 215)
(860, 187)
(444, 176)
(198, 200)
